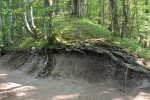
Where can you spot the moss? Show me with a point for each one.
(73, 31)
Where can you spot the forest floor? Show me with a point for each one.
(14, 85)
(74, 35)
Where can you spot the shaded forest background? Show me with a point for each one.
(40, 22)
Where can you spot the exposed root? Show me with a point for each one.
(119, 56)
(47, 67)
(126, 76)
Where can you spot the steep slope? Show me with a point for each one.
(81, 35)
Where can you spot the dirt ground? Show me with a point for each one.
(75, 77)
(15, 85)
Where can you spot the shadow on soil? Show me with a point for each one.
(76, 76)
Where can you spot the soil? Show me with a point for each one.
(75, 77)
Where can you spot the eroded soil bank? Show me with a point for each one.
(75, 77)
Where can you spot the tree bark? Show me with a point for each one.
(33, 27)
(125, 21)
(114, 17)
(74, 7)
(27, 25)
(77, 8)
(49, 21)
(10, 22)
(136, 14)
(102, 12)
(2, 24)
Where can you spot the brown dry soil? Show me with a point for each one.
(17, 85)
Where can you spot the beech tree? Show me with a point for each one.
(125, 9)
(2, 24)
(48, 23)
(102, 12)
(114, 17)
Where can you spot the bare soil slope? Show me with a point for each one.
(72, 79)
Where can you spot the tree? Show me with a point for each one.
(136, 14)
(123, 17)
(102, 12)
(125, 20)
(2, 24)
(27, 25)
(48, 4)
(10, 22)
(114, 17)
(74, 7)
(31, 18)
(78, 7)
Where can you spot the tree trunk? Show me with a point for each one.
(77, 8)
(84, 2)
(137, 20)
(136, 14)
(114, 17)
(27, 25)
(21, 22)
(10, 22)
(49, 21)
(2, 24)
(125, 21)
(74, 7)
(87, 7)
(102, 12)
(33, 27)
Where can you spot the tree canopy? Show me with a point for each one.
(40, 22)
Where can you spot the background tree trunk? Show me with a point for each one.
(49, 21)
(125, 21)
(114, 17)
(136, 14)
(10, 22)
(102, 12)
(31, 21)
(2, 24)
(74, 7)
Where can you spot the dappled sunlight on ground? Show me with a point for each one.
(11, 88)
(14, 90)
(3, 76)
(142, 96)
(50, 89)
(144, 63)
(9, 85)
(14, 85)
(66, 97)
(24, 90)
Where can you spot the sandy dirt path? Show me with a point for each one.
(14, 85)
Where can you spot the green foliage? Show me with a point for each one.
(74, 31)
(27, 43)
